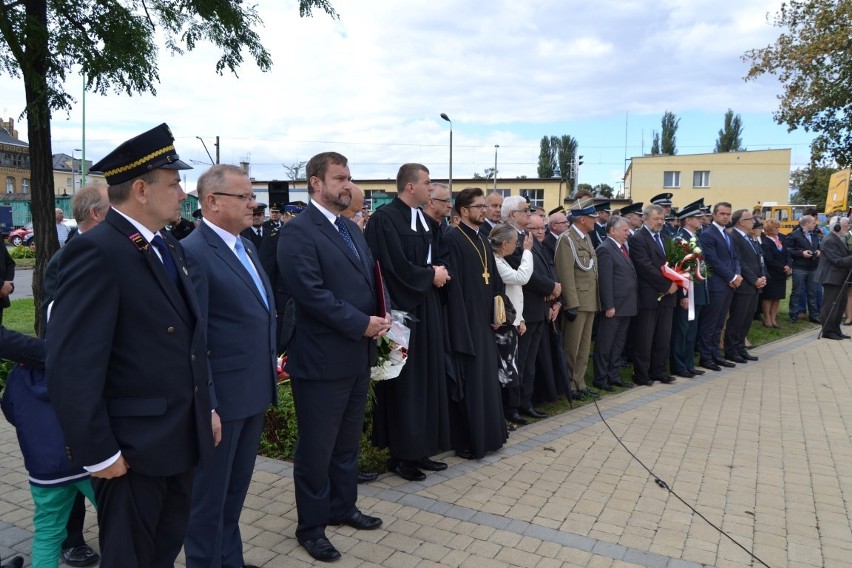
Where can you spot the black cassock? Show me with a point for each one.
(476, 413)
(411, 414)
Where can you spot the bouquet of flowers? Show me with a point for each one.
(283, 376)
(392, 349)
(685, 261)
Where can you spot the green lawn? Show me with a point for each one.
(21, 316)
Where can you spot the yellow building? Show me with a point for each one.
(14, 160)
(740, 178)
(68, 174)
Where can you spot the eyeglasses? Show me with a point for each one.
(240, 196)
(480, 206)
(559, 223)
(441, 200)
(523, 210)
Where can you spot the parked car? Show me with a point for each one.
(30, 238)
(22, 235)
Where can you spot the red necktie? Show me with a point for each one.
(624, 250)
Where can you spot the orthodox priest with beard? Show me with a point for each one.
(411, 416)
(476, 408)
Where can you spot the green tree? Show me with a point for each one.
(586, 187)
(731, 136)
(813, 61)
(811, 184)
(603, 190)
(668, 140)
(655, 144)
(546, 158)
(112, 42)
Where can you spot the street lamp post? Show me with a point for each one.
(73, 180)
(495, 166)
(447, 118)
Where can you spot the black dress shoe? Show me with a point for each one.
(710, 365)
(815, 320)
(832, 335)
(406, 470)
(575, 395)
(16, 562)
(734, 358)
(360, 521)
(466, 454)
(618, 383)
(844, 336)
(723, 363)
(80, 555)
(607, 388)
(665, 379)
(517, 419)
(696, 371)
(430, 465)
(532, 413)
(590, 393)
(321, 549)
(367, 476)
(748, 356)
(684, 374)
(643, 382)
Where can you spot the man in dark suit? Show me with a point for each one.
(131, 392)
(493, 213)
(664, 200)
(684, 330)
(617, 286)
(255, 233)
(633, 214)
(7, 275)
(330, 276)
(274, 221)
(804, 246)
(556, 225)
(835, 262)
(651, 329)
(724, 266)
(744, 302)
(238, 306)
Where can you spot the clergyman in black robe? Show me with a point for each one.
(476, 408)
(411, 412)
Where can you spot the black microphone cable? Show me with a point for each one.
(665, 486)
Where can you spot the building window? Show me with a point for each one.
(700, 179)
(671, 179)
(10, 184)
(25, 185)
(536, 196)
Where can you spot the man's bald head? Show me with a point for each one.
(356, 204)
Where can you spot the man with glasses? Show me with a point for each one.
(476, 411)
(439, 206)
(744, 302)
(239, 310)
(556, 225)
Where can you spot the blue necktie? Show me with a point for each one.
(241, 254)
(659, 243)
(160, 244)
(344, 232)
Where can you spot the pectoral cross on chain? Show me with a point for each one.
(486, 276)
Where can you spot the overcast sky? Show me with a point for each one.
(373, 84)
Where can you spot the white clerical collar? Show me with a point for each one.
(415, 213)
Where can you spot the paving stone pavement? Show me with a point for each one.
(763, 451)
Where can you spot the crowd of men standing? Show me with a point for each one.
(504, 307)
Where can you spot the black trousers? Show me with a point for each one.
(711, 323)
(739, 322)
(142, 519)
(652, 332)
(831, 313)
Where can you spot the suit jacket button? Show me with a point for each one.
(196, 389)
(192, 357)
(170, 329)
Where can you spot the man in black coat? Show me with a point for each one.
(651, 328)
(330, 276)
(833, 272)
(255, 233)
(556, 225)
(744, 302)
(131, 391)
(804, 246)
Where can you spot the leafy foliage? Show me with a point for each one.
(603, 190)
(546, 158)
(655, 144)
(19, 252)
(565, 158)
(668, 139)
(731, 135)
(812, 59)
(811, 184)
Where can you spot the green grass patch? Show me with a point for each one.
(21, 316)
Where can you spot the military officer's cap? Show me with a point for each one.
(694, 209)
(583, 207)
(149, 151)
(603, 206)
(663, 199)
(632, 208)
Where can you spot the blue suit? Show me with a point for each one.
(724, 265)
(329, 359)
(685, 332)
(241, 345)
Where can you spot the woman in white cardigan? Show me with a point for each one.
(504, 240)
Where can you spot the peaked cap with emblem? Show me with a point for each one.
(663, 200)
(632, 208)
(694, 209)
(151, 150)
(585, 207)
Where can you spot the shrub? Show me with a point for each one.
(21, 251)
